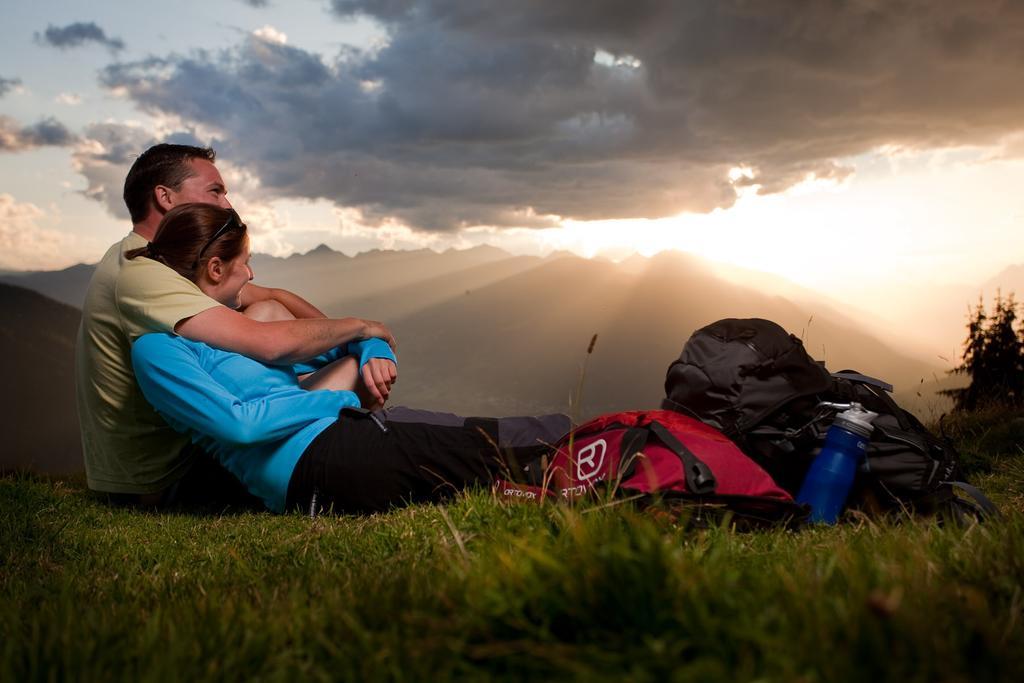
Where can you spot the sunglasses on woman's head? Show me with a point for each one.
(233, 222)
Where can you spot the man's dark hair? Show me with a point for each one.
(162, 164)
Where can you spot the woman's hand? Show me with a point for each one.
(378, 376)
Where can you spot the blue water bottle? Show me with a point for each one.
(830, 477)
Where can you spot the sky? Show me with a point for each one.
(832, 143)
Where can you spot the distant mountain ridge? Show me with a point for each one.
(463, 318)
(1010, 280)
(483, 332)
(66, 286)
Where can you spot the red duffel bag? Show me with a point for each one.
(655, 452)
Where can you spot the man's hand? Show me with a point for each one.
(380, 331)
(378, 376)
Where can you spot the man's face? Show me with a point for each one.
(206, 186)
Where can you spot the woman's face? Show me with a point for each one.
(236, 274)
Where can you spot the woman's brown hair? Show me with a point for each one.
(191, 234)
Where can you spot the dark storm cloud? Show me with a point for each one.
(499, 113)
(78, 34)
(257, 3)
(47, 132)
(8, 84)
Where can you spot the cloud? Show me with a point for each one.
(521, 114)
(258, 4)
(68, 98)
(24, 245)
(46, 132)
(271, 35)
(76, 35)
(105, 152)
(1010, 147)
(8, 84)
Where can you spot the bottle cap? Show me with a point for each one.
(857, 419)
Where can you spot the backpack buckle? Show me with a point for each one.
(700, 479)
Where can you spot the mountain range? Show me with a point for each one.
(66, 286)
(483, 332)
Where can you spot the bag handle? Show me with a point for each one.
(699, 477)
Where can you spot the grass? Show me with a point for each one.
(481, 590)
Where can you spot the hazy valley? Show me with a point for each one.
(484, 332)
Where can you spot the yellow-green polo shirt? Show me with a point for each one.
(128, 448)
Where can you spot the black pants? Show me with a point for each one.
(208, 483)
(369, 462)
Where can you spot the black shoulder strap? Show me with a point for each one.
(699, 477)
(633, 442)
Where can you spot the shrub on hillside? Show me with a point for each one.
(993, 358)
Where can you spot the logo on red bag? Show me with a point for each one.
(589, 460)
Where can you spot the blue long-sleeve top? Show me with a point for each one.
(254, 418)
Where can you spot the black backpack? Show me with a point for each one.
(755, 382)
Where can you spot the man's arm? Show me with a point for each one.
(296, 305)
(153, 298)
(277, 343)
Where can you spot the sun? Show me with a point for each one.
(783, 234)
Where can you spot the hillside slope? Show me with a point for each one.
(516, 345)
(66, 286)
(40, 421)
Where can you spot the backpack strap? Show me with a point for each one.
(633, 442)
(699, 477)
(863, 379)
(987, 506)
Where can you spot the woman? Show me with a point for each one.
(278, 428)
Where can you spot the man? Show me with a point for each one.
(130, 452)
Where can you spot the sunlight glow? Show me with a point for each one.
(878, 226)
(737, 172)
(902, 221)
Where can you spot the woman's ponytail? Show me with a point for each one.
(149, 251)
